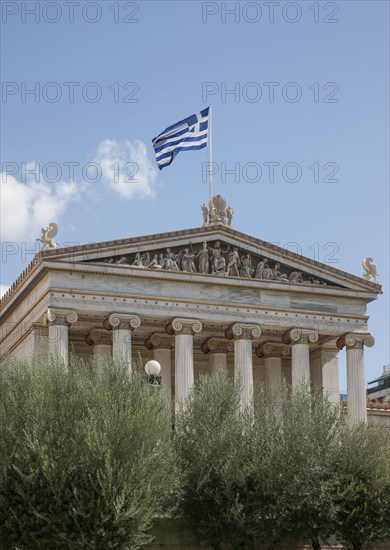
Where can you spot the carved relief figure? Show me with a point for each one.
(296, 277)
(267, 272)
(154, 264)
(187, 261)
(203, 255)
(260, 269)
(277, 275)
(141, 260)
(122, 261)
(171, 261)
(233, 263)
(161, 260)
(246, 266)
(219, 263)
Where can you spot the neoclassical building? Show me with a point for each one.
(194, 300)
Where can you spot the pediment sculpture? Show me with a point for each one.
(217, 212)
(215, 258)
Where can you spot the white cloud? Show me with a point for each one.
(26, 207)
(3, 290)
(126, 168)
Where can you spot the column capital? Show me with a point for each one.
(98, 336)
(216, 345)
(274, 349)
(356, 340)
(184, 326)
(300, 336)
(159, 341)
(243, 331)
(56, 316)
(122, 321)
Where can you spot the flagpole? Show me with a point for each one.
(211, 152)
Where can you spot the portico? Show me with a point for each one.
(195, 300)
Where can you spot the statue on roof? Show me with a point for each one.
(205, 213)
(48, 234)
(217, 211)
(229, 214)
(371, 272)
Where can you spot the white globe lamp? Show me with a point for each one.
(153, 368)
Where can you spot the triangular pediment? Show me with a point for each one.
(214, 251)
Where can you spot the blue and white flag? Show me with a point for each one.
(187, 135)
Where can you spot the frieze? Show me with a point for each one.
(215, 258)
(269, 316)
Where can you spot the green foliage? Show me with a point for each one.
(310, 430)
(87, 460)
(289, 478)
(292, 472)
(362, 488)
(85, 456)
(210, 442)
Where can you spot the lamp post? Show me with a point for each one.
(153, 369)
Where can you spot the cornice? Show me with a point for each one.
(216, 231)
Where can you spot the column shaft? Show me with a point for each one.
(330, 376)
(58, 341)
(184, 366)
(218, 360)
(243, 368)
(184, 329)
(273, 370)
(356, 387)
(58, 321)
(164, 357)
(102, 350)
(300, 365)
(121, 345)
(122, 325)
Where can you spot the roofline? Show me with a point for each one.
(204, 230)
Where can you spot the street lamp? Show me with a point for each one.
(153, 369)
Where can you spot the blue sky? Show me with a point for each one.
(153, 63)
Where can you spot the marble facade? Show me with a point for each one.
(195, 300)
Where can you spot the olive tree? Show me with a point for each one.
(85, 456)
(211, 432)
(362, 487)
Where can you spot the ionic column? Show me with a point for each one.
(356, 384)
(273, 353)
(300, 356)
(40, 335)
(325, 370)
(218, 350)
(59, 321)
(162, 351)
(101, 341)
(183, 329)
(243, 335)
(122, 325)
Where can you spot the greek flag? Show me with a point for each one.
(186, 135)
